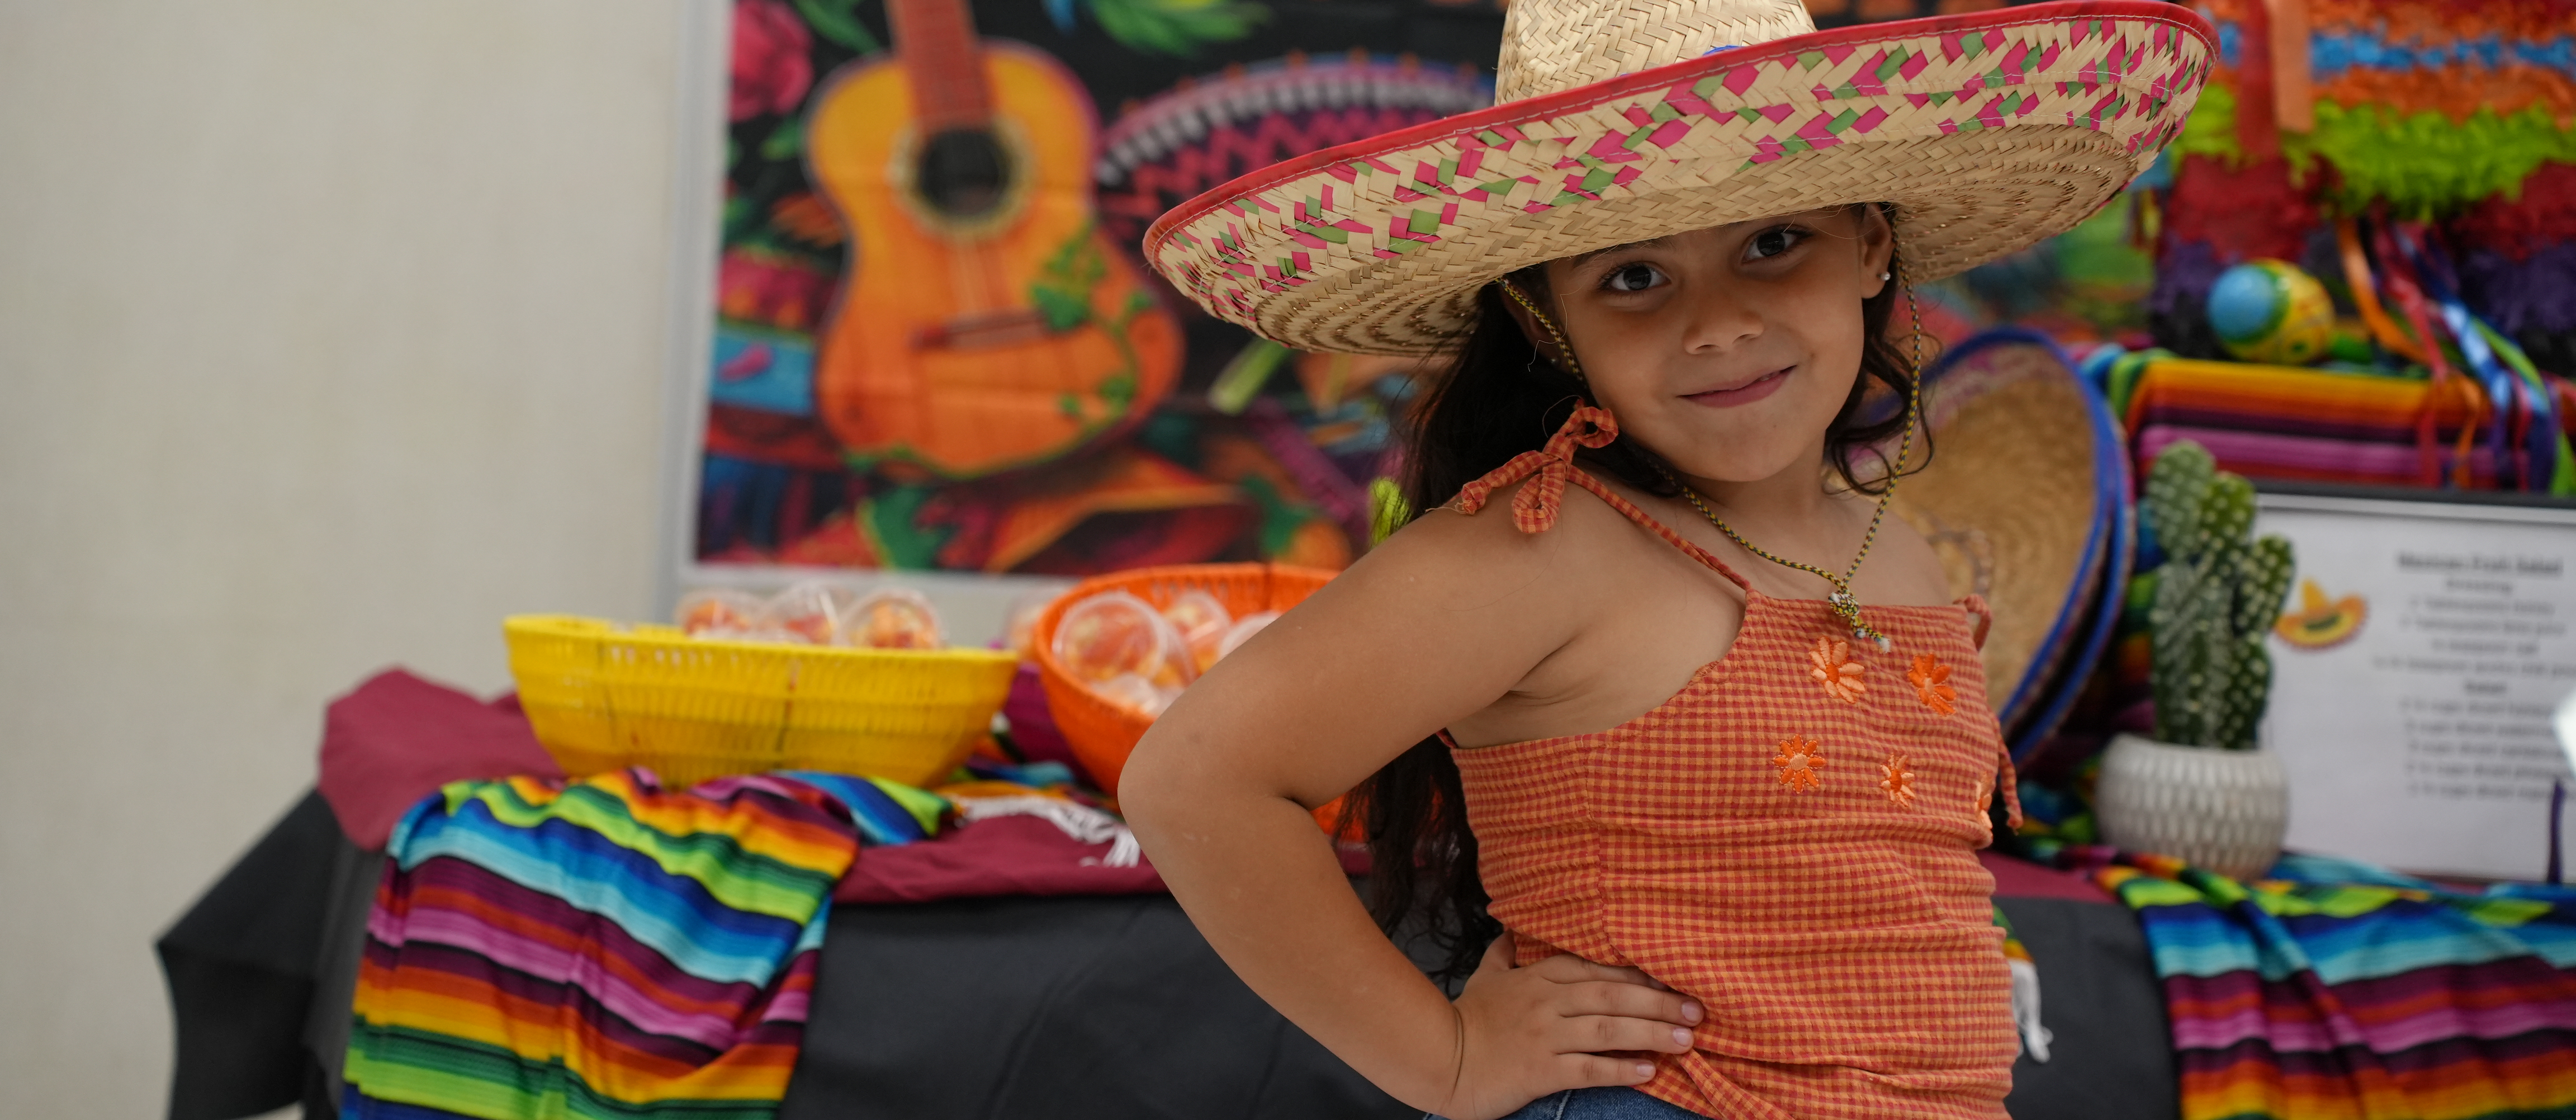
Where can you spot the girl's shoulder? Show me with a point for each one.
(1475, 558)
(1492, 535)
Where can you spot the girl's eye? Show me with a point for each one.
(1773, 242)
(1632, 278)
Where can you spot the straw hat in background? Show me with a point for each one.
(1627, 120)
(2026, 501)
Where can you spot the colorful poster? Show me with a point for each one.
(936, 345)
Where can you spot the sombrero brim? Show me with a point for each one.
(2086, 646)
(2021, 501)
(1988, 132)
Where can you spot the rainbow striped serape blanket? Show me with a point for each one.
(2340, 991)
(605, 948)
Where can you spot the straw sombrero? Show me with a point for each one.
(2026, 504)
(1626, 120)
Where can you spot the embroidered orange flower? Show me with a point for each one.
(1799, 761)
(1932, 682)
(1899, 781)
(1835, 670)
(1985, 801)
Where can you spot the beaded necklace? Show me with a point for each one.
(1843, 602)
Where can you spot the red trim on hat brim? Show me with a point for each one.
(1689, 69)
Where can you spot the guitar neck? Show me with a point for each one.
(936, 41)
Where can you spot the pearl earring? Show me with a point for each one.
(1887, 276)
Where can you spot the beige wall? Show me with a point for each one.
(330, 332)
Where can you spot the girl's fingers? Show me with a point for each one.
(1593, 1070)
(1632, 1001)
(1566, 968)
(1594, 1034)
(1498, 954)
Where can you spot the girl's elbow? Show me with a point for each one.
(1150, 786)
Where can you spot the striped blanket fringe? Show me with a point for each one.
(2341, 991)
(605, 948)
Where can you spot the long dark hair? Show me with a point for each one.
(1495, 397)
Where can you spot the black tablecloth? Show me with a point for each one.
(1002, 1009)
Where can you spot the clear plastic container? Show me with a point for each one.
(1114, 634)
(891, 618)
(1202, 622)
(720, 612)
(810, 612)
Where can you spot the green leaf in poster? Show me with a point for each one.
(787, 141)
(893, 525)
(838, 21)
(1063, 310)
(1177, 27)
(1064, 284)
(1118, 390)
(739, 216)
(1280, 516)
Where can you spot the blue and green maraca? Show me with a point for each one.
(2270, 311)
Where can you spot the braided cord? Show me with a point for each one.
(1844, 603)
(1563, 348)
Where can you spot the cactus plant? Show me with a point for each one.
(2216, 597)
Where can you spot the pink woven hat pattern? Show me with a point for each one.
(1626, 120)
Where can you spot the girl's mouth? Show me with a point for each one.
(1746, 393)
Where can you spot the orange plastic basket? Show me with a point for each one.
(600, 697)
(1102, 733)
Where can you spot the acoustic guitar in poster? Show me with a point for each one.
(984, 321)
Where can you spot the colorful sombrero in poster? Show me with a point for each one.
(1626, 120)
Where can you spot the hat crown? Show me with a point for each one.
(1550, 46)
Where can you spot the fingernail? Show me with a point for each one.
(1681, 1036)
(1645, 1072)
(1690, 1012)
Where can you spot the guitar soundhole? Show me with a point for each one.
(964, 172)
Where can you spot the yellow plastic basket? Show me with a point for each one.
(601, 697)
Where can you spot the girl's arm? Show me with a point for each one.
(1435, 624)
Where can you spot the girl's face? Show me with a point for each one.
(1726, 350)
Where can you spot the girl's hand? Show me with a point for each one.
(1563, 1023)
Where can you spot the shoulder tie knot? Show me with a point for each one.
(1534, 509)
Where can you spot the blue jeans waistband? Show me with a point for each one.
(1612, 1103)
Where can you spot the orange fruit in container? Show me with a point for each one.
(720, 613)
(891, 618)
(808, 612)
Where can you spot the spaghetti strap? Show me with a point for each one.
(1548, 470)
(1976, 605)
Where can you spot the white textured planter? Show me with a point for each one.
(2221, 810)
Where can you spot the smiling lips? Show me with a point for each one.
(1744, 394)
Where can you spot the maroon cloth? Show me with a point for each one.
(2020, 878)
(396, 738)
(1033, 727)
(989, 858)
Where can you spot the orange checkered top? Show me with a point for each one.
(1790, 839)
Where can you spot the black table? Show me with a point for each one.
(1001, 1009)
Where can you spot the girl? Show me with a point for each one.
(1656, 697)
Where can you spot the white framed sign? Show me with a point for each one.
(2425, 648)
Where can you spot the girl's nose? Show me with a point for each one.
(1719, 324)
